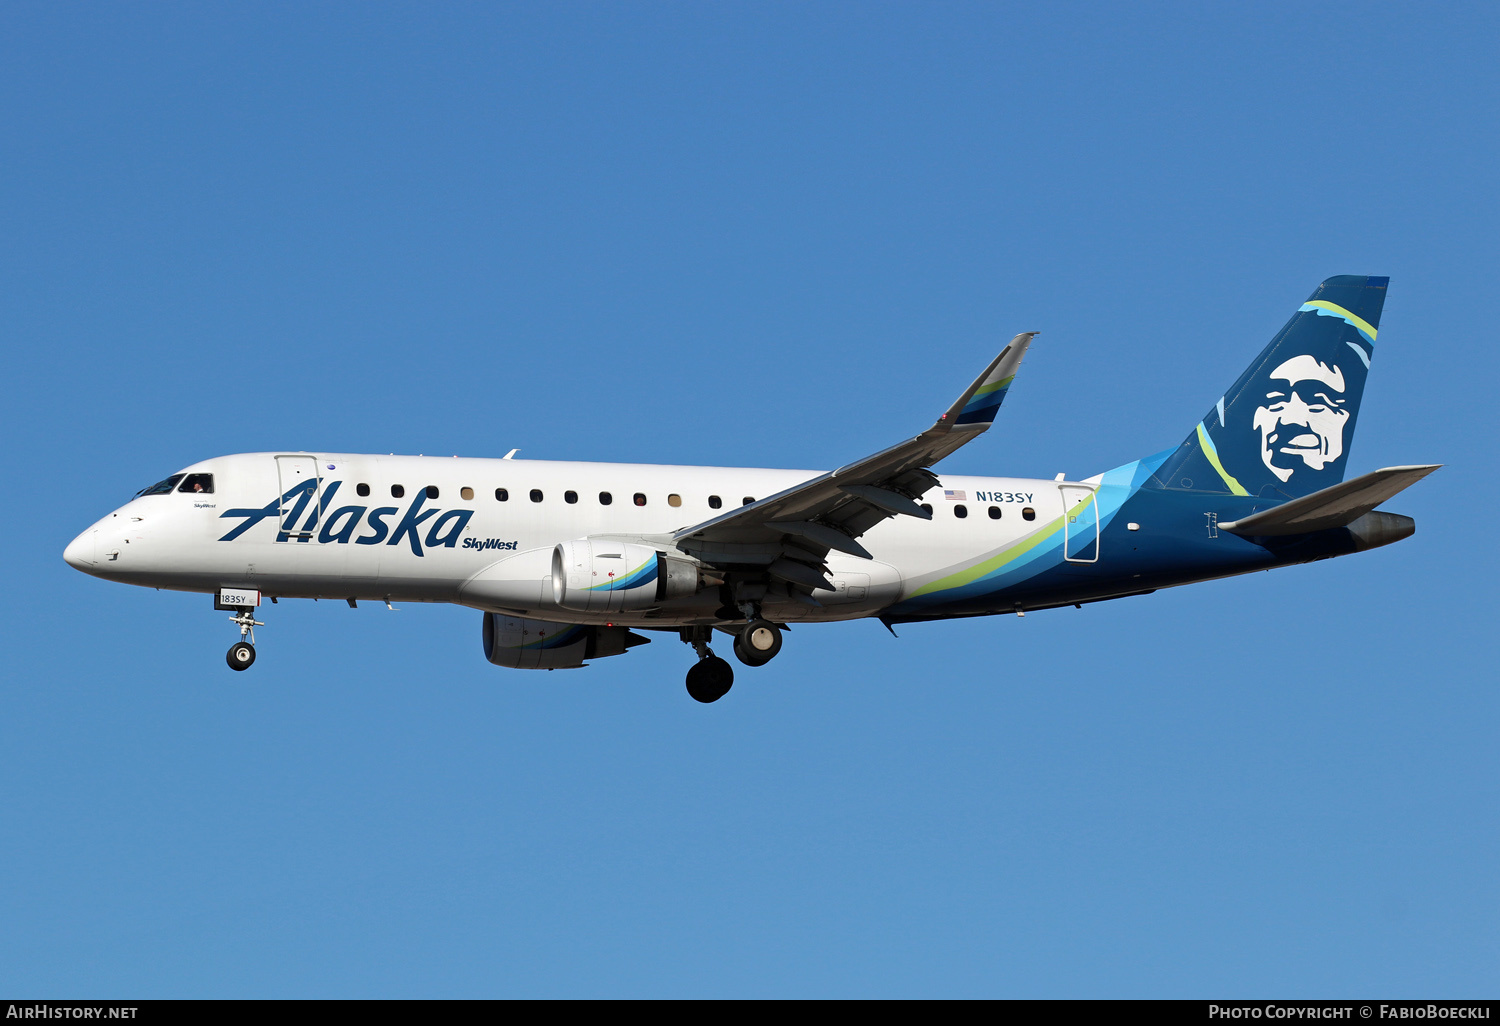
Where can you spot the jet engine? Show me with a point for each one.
(541, 645)
(595, 576)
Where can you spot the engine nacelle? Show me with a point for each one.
(523, 644)
(596, 576)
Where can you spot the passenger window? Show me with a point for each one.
(362, 489)
(398, 491)
(502, 495)
(466, 493)
(432, 492)
(605, 498)
(570, 497)
(536, 495)
(960, 511)
(674, 500)
(748, 500)
(199, 484)
(1027, 513)
(928, 507)
(994, 512)
(161, 487)
(714, 502)
(640, 498)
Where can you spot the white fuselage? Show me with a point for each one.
(447, 537)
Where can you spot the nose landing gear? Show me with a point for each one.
(242, 653)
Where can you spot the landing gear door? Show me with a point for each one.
(301, 497)
(1080, 524)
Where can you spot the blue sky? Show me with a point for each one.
(768, 235)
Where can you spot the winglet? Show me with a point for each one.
(978, 405)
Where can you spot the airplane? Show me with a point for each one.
(568, 561)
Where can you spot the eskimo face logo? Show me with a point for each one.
(1303, 417)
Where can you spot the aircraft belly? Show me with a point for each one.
(519, 582)
(861, 587)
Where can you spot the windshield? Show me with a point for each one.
(199, 483)
(161, 487)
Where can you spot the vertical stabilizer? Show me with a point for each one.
(1286, 425)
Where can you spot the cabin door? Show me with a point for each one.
(1080, 524)
(301, 497)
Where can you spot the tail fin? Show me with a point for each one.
(1285, 426)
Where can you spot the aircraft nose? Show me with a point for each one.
(80, 553)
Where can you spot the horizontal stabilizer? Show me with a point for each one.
(1336, 506)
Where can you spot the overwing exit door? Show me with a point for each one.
(1080, 524)
(301, 499)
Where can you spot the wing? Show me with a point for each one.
(788, 535)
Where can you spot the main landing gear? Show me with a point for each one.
(710, 679)
(757, 643)
(242, 653)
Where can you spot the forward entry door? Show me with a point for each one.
(1080, 524)
(301, 497)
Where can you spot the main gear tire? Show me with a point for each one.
(757, 643)
(710, 679)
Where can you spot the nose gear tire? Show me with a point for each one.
(241, 655)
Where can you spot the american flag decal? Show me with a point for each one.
(958, 496)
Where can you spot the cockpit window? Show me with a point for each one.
(201, 484)
(161, 487)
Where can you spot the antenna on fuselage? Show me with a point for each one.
(510, 455)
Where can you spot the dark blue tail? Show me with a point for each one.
(1286, 425)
